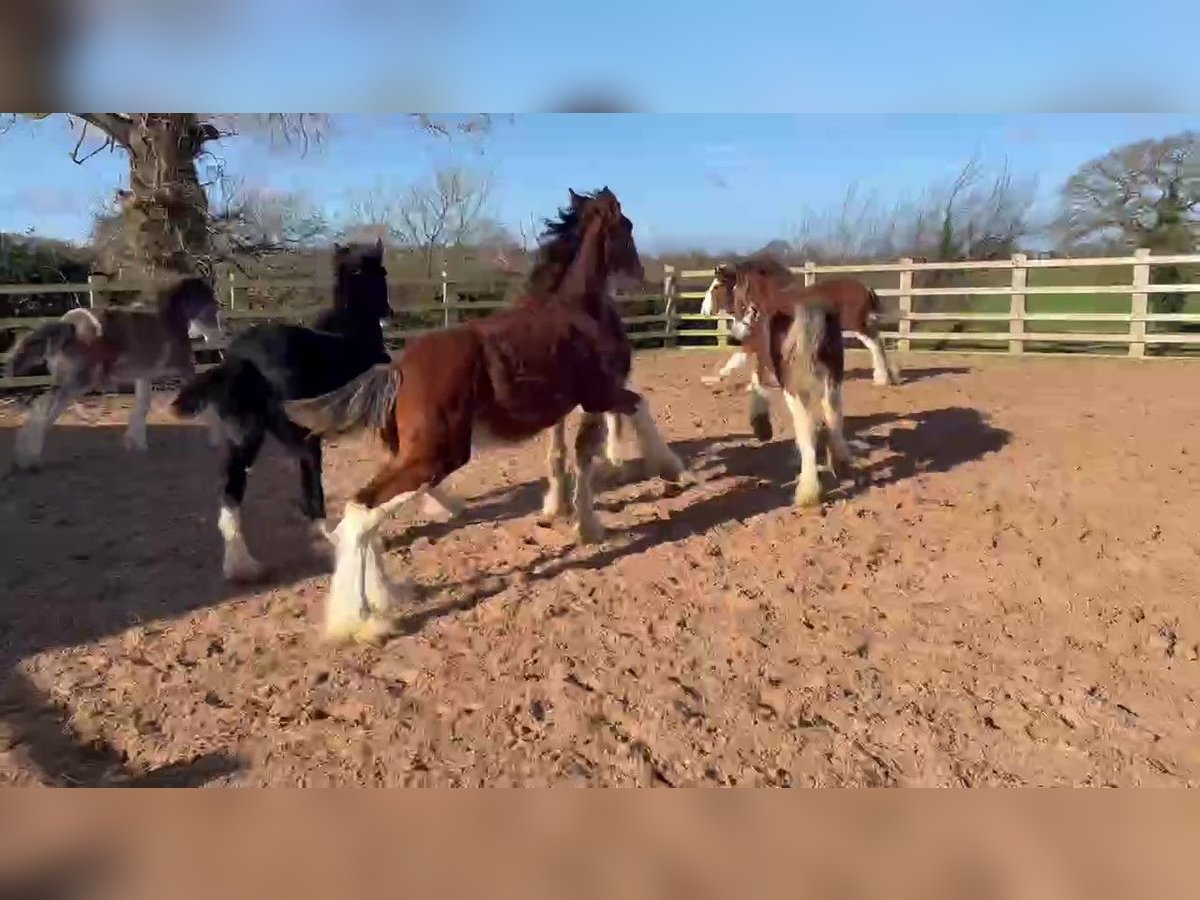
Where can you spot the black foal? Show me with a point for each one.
(269, 364)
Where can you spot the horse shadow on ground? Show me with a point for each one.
(101, 539)
(861, 373)
(928, 441)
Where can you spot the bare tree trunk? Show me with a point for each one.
(165, 212)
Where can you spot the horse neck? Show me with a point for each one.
(585, 280)
(344, 322)
(173, 320)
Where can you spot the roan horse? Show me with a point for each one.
(270, 363)
(90, 350)
(794, 341)
(501, 379)
(856, 305)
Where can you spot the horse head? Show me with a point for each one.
(192, 303)
(360, 282)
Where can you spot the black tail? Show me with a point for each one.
(34, 348)
(366, 402)
(207, 388)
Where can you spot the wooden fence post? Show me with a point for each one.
(232, 290)
(810, 273)
(1016, 306)
(448, 316)
(905, 325)
(96, 284)
(669, 312)
(1141, 303)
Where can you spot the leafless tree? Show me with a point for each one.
(974, 216)
(165, 213)
(445, 212)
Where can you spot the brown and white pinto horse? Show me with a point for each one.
(794, 341)
(501, 379)
(91, 350)
(856, 305)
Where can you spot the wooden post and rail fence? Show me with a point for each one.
(670, 316)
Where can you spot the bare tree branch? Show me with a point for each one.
(118, 126)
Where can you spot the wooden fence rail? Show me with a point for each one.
(675, 320)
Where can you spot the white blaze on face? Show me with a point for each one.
(706, 308)
(211, 333)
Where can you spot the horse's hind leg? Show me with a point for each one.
(841, 459)
(312, 489)
(135, 434)
(659, 458)
(883, 368)
(735, 362)
(360, 594)
(31, 439)
(238, 564)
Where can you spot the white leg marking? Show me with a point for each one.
(612, 440)
(557, 502)
(135, 434)
(881, 371)
(360, 595)
(440, 505)
(31, 439)
(808, 486)
(238, 564)
(660, 458)
(735, 362)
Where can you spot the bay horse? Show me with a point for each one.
(856, 305)
(497, 380)
(89, 350)
(794, 340)
(271, 363)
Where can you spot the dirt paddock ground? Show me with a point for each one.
(1012, 598)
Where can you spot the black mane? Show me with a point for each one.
(558, 245)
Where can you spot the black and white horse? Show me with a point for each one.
(269, 364)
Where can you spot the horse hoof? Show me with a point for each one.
(807, 497)
(138, 445)
(246, 572)
(371, 630)
(761, 426)
(589, 533)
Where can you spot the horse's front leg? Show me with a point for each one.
(760, 409)
(31, 439)
(735, 362)
(557, 501)
(135, 434)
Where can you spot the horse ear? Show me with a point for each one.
(577, 200)
(379, 247)
(339, 250)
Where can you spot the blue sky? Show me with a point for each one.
(719, 181)
(672, 55)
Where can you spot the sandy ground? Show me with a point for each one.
(1011, 599)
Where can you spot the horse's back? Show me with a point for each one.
(302, 362)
